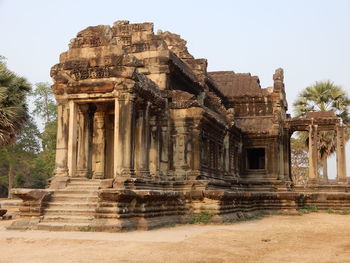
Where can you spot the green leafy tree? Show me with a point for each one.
(18, 159)
(13, 107)
(46, 109)
(45, 106)
(324, 96)
(13, 115)
(26, 156)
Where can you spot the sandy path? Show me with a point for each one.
(317, 237)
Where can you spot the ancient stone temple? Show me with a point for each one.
(147, 137)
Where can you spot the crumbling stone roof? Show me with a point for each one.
(321, 114)
(233, 84)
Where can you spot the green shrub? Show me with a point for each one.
(203, 217)
(308, 209)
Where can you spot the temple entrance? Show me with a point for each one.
(95, 140)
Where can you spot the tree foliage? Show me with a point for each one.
(323, 96)
(45, 106)
(28, 158)
(13, 107)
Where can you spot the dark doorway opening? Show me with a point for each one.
(256, 158)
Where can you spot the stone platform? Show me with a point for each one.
(83, 206)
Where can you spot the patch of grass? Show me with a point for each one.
(85, 228)
(343, 212)
(338, 212)
(330, 211)
(203, 217)
(258, 215)
(307, 209)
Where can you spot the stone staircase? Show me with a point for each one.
(72, 208)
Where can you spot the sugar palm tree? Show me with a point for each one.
(324, 96)
(13, 108)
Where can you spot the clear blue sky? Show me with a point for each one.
(310, 39)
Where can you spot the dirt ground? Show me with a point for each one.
(315, 237)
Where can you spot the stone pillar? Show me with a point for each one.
(195, 153)
(99, 143)
(313, 154)
(154, 148)
(164, 151)
(236, 162)
(61, 168)
(179, 153)
(287, 156)
(220, 160)
(281, 157)
(83, 140)
(341, 157)
(123, 135)
(142, 147)
(227, 155)
(239, 156)
(72, 139)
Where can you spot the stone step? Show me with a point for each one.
(71, 205)
(88, 212)
(268, 189)
(74, 198)
(81, 187)
(83, 184)
(67, 218)
(84, 181)
(75, 192)
(57, 226)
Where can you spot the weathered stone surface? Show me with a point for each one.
(34, 201)
(58, 182)
(31, 194)
(106, 183)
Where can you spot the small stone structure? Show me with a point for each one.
(147, 137)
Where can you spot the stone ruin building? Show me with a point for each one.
(147, 137)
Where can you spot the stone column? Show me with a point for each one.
(220, 160)
(226, 156)
(99, 143)
(83, 140)
(164, 151)
(154, 148)
(142, 147)
(145, 142)
(123, 134)
(341, 157)
(179, 152)
(239, 156)
(287, 157)
(281, 157)
(236, 161)
(61, 168)
(72, 138)
(195, 153)
(313, 154)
